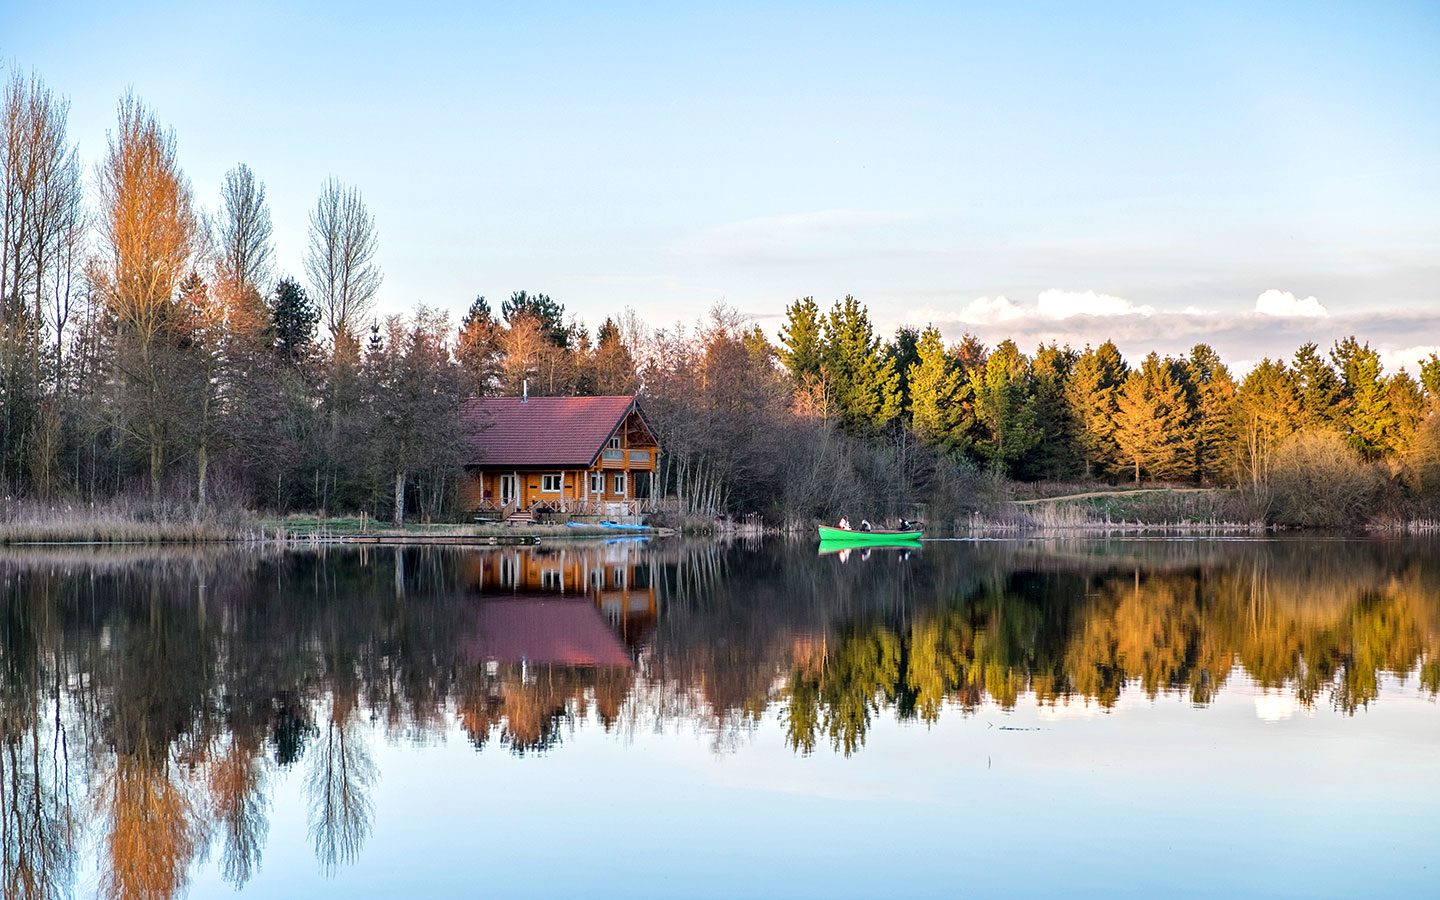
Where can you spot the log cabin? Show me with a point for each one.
(577, 456)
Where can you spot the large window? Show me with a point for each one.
(550, 484)
(614, 443)
(620, 484)
(597, 482)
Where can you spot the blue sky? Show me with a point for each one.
(1156, 167)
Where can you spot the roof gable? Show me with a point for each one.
(562, 432)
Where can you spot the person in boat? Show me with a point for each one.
(864, 524)
(844, 523)
(905, 525)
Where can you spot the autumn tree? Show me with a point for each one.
(149, 239)
(1266, 408)
(340, 261)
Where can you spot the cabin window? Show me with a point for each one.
(620, 484)
(552, 580)
(550, 484)
(597, 483)
(614, 443)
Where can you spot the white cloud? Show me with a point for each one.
(1408, 358)
(1058, 304)
(1287, 305)
(985, 310)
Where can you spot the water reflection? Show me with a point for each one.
(149, 701)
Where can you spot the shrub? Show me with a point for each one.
(1318, 480)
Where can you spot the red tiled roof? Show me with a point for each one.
(560, 632)
(543, 431)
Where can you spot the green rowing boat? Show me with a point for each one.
(829, 534)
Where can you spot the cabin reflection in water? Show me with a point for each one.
(555, 631)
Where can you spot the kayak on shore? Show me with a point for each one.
(829, 534)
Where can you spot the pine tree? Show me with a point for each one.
(1406, 401)
(1004, 410)
(865, 386)
(1153, 421)
(1430, 377)
(293, 321)
(1368, 416)
(1091, 393)
(1214, 395)
(939, 398)
(1054, 455)
(802, 340)
(1319, 389)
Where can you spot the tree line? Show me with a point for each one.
(151, 348)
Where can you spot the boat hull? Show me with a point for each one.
(832, 535)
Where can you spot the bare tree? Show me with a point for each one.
(340, 260)
(151, 237)
(40, 202)
(244, 254)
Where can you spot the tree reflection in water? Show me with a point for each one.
(161, 692)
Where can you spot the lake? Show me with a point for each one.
(1122, 717)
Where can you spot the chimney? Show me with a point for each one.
(525, 391)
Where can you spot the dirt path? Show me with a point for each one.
(1089, 494)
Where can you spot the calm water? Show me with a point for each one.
(1023, 718)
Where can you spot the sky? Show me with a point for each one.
(1249, 175)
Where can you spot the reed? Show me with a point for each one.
(121, 521)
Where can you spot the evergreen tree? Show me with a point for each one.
(546, 312)
(293, 321)
(802, 340)
(1319, 389)
(1368, 416)
(1406, 401)
(1054, 455)
(477, 350)
(903, 352)
(1004, 410)
(612, 368)
(1153, 421)
(1091, 393)
(939, 397)
(1430, 377)
(1214, 394)
(865, 386)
